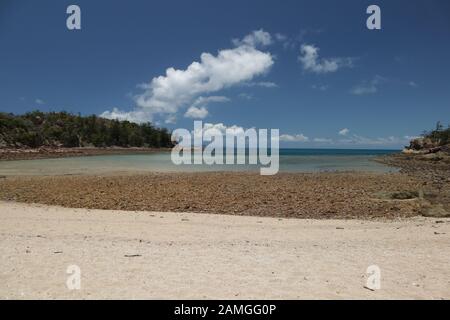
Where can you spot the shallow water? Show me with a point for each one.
(291, 160)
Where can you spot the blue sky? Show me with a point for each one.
(310, 68)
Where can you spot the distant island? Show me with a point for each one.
(39, 134)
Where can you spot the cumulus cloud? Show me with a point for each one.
(198, 109)
(256, 38)
(204, 101)
(166, 94)
(344, 132)
(211, 129)
(294, 138)
(309, 57)
(178, 88)
(137, 116)
(196, 113)
(220, 127)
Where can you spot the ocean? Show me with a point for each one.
(291, 160)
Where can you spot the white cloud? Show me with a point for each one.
(323, 140)
(344, 132)
(294, 138)
(166, 94)
(265, 84)
(203, 101)
(220, 127)
(170, 119)
(198, 109)
(368, 87)
(196, 113)
(380, 141)
(137, 116)
(309, 57)
(364, 89)
(257, 37)
(39, 101)
(212, 128)
(353, 140)
(245, 95)
(409, 138)
(373, 86)
(295, 41)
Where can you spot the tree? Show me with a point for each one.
(36, 128)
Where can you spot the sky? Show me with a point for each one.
(311, 69)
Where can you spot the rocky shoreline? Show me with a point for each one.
(343, 195)
(433, 169)
(50, 153)
(421, 188)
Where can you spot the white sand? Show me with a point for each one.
(215, 256)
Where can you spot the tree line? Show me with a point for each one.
(62, 129)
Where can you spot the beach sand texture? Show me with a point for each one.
(186, 255)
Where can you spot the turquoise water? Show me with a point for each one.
(291, 160)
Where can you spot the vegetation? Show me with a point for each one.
(62, 129)
(440, 136)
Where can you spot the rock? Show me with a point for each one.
(436, 211)
(422, 143)
(410, 151)
(3, 143)
(433, 156)
(405, 195)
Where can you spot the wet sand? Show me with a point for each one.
(185, 255)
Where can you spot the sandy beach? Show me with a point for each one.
(225, 235)
(185, 255)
